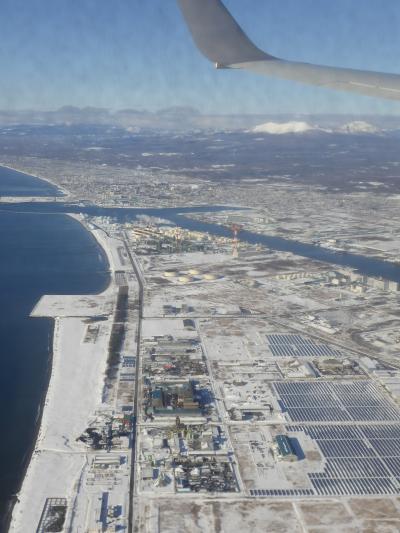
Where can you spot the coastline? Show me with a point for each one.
(101, 242)
(50, 368)
(54, 360)
(47, 180)
(28, 457)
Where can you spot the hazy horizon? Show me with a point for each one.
(132, 54)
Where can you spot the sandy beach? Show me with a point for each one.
(73, 397)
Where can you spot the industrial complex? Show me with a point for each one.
(224, 383)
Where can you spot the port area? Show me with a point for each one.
(79, 474)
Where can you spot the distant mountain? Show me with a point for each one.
(353, 127)
(276, 128)
(186, 118)
(359, 126)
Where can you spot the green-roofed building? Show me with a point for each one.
(286, 451)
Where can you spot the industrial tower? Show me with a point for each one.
(235, 244)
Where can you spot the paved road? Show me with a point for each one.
(137, 388)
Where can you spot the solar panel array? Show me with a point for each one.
(360, 460)
(327, 401)
(298, 346)
(281, 493)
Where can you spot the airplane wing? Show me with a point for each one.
(221, 39)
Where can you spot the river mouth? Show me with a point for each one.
(367, 266)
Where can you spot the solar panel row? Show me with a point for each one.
(311, 400)
(318, 414)
(364, 388)
(297, 346)
(385, 412)
(288, 339)
(281, 492)
(350, 487)
(345, 448)
(355, 400)
(393, 464)
(387, 447)
(286, 350)
(355, 387)
(356, 468)
(330, 432)
(374, 433)
(382, 431)
(302, 387)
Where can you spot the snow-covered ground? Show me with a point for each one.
(59, 462)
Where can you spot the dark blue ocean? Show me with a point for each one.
(39, 254)
(14, 183)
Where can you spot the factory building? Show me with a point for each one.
(175, 397)
(285, 449)
(189, 324)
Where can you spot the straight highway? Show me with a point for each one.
(132, 483)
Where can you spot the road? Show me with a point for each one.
(132, 483)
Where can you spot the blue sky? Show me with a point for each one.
(138, 54)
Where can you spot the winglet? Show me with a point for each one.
(218, 35)
(222, 40)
